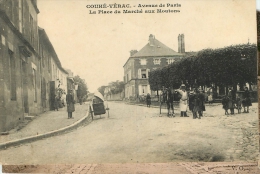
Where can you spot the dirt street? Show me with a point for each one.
(136, 134)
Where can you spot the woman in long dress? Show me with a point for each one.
(183, 101)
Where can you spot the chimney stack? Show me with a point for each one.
(132, 52)
(151, 40)
(181, 43)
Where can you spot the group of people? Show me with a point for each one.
(69, 99)
(233, 101)
(195, 99)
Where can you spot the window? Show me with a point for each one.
(157, 61)
(20, 16)
(42, 55)
(31, 29)
(49, 64)
(53, 72)
(12, 76)
(143, 61)
(129, 76)
(143, 89)
(143, 73)
(170, 61)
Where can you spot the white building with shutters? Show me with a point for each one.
(152, 56)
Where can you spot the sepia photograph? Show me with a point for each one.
(128, 86)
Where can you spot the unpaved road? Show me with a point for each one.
(136, 134)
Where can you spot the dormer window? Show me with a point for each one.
(143, 61)
(170, 61)
(157, 61)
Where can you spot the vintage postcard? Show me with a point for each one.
(114, 85)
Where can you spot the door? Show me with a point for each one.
(43, 94)
(52, 95)
(25, 87)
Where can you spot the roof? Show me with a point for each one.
(157, 50)
(187, 54)
(44, 36)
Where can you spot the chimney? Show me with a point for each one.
(132, 52)
(151, 40)
(181, 44)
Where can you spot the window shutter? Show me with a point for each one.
(130, 75)
(139, 73)
(140, 90)
(148, 89)
(147, 73)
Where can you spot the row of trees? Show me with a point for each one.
(115, 87)
(227, 66)
(82, 87)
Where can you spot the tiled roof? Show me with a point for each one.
(156, 50)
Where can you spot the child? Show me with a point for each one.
(238, 104)
(225, 104)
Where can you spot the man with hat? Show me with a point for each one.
(183, 101)
(70, 103)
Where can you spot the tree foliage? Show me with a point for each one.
(101, 89)
(82, 87)
(114, 87)
(222, 66)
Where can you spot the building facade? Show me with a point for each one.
(19, 62)
(28, 64)
(53, 76)
(152, 56)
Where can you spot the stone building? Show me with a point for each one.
(152, 56)
(53, 75)
(29, 66)
(20, 80)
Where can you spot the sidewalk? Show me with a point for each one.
(48, 122)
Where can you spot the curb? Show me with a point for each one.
(46, 135)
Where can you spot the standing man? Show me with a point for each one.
(201, 102)
(246, 100)
(183, 101)
(232, 99)
(70, 103)
(169, 102)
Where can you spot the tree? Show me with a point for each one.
(101, 89)
(82, 87)
(114, 87)
(223, 67)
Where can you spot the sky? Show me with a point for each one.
(96, 46)
(258, 5)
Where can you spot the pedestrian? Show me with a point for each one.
(210, 95)
(238, 104)
(169, 102)
(225, 101)
(63, 99)
(231, 101)
(200, 102)
(148, 100)
(56, 102)
(246, 100)
(192, 96)
(70, 103)
(183, 100)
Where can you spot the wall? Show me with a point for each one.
(119, 96)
